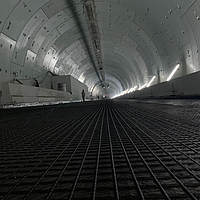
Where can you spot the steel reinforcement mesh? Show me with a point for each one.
(101, 150)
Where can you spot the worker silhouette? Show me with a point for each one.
(36, 83)
(83, 95)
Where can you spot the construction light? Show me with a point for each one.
(124, 92)
(130, 90)
(151, 81)
(134, 88)
(142, 87)
(173, 72)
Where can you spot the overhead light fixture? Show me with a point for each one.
(142, 87)
(173, 72)
(151, 81)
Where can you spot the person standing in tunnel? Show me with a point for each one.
(36, 83)
(83, 95)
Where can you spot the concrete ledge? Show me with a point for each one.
(14, 93)
(186, 86)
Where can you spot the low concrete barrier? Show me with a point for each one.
(183, 87)
(15, 93)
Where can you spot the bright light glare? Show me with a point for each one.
(173, 72)
(125, 92)
(151, 81)
(132, 89)
(118, 95)
(142, 87)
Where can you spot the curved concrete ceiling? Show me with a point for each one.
(139, 39)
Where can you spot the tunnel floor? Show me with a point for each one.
(101, 150)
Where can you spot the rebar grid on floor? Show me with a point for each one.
(101, 150)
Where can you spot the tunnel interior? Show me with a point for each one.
(130, 148)
(111, 46)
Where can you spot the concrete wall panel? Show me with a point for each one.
(182, 6)
(192, 22)
(18, 70)
(6, 8)
(53, 7)
(19, 17)
(27, 35)
(30, 64)
(7, 46)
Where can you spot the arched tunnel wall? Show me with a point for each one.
(139, 39)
